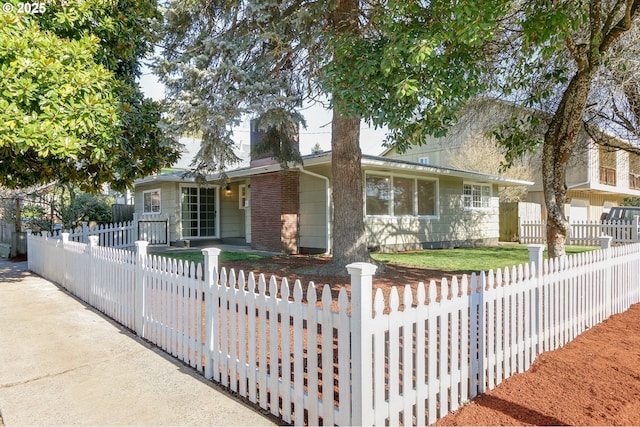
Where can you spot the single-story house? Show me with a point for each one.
(407, 205)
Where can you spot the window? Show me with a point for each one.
(426, 198)
(607, 167)
(477, 196)
(402, 196)
(423, 160)
(243, 201)
(399, 196)
(378, 195)
(151, 201)
(198, 208)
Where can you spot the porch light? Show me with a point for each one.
(227, 190)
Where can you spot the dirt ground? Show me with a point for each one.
(594, 380)
(301, 268)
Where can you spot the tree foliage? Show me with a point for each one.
(572, 63)
(70, 108)
(225, 60)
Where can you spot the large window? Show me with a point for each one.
(198, 206)
(477, 196)
(399, 196)
(151, 201)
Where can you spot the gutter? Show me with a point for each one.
(327, 207)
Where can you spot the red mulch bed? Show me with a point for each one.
(594, 380)
(299, 267)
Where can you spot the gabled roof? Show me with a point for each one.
(368, 162)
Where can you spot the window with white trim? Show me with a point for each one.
(242, 197)
(151, 201)
(199, 212)
(399, 196)
(476, 196)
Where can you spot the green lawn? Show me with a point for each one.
(468, 260)
(463, 260)
(198, 258)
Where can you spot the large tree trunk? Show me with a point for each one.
(559, 143)
(349, 238)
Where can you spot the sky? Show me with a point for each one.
(318, 123)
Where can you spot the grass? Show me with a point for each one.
(468, 260)
(463, 260)
(197, 257)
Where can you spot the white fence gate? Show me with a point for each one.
(586, 233)
(313, 360)
(123, 235)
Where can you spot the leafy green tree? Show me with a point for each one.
(572, 63)
(79, 207)
(70, 108)
(224, 60)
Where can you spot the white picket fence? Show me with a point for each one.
(330, 361)
(586, 233)
(123, 235)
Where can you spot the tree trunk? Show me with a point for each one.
(559, 143)
(349, 237)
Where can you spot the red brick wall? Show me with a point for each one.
(275, 205)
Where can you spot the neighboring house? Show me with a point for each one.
(408, 205)
(597, 178)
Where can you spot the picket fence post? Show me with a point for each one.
(141, 251)
(605, 245)
(63, 259)
(210, 280)
(134, 224)
(89, 288)
(605, 242)
(85, 232)
(536, 254)
(210, 262)
(361, 357)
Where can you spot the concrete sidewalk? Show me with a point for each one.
(62, 363)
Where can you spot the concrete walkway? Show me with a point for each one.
(62, 363)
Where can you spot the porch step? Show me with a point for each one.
(237, 241)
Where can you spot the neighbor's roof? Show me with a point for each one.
(368, 162)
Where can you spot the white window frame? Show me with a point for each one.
(424, 160)
(242, 196)
(217, 211)
(469, 197)
(159, 205)
(390, 213)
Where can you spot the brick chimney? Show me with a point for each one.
(275, 203)
(275, 208)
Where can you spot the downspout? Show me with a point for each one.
(327, 207)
